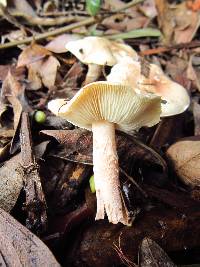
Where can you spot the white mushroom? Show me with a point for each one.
(103, 107)
(129, 72)
(97, 52)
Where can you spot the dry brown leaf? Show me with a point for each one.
(196, 115)
(192, 75)
(32, 53)
(57, 45)
(121, 22)
(11, 182)
(20, 247)
(17, 72)
(12, 89)
(185, 156)
(48, 71)
(42, 66)
(43, 71)
(149, 8)
(34, 79)
(177, 23)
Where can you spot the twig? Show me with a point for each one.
(164, 49)
(64, 29)
(35, 200)
(48, 34)
(41, 21)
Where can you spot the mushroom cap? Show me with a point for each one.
(128, 72)
(100, 51)
(112, 102)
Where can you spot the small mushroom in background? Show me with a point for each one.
(129, 72)
(97, 52)
(103, 107)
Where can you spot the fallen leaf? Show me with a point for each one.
(57, 45)
(78, 148)
(185, 157)
(11, 182)
(121, 22)
(48, 71)
(149, 8)
(192, 75)
(17, 72)
(32, 53)
(196, 114)
(42, 66)
(20, 247)
(151, 255)
(178, 24)
(12, 89)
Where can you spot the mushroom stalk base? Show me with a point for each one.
(106, 174)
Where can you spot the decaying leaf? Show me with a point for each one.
(78, 148)
(185, 156)
(11, 182)
(192, 75)
(12, 89)
(178, 23)
(31, 54)
(152, 255)
(20, 247)
(196, 114)
(42, 66)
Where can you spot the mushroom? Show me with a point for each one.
(97, 52)
(129, 72)
(103, 107)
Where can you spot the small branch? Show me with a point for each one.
(164, 49)
(35, 20)
(35, 200)
(42, 36)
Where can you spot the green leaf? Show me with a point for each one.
(146, 32)
(92, 184)
(93, 6)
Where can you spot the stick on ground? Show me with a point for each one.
(35, 200)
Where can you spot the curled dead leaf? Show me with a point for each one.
(42, 66)
(32, 53)
(11, 182)
(185, 156)
(178, 23)
(20, 247)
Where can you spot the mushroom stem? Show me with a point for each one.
(94, 71)
(106, 174)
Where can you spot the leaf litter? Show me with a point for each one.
(159, 172)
